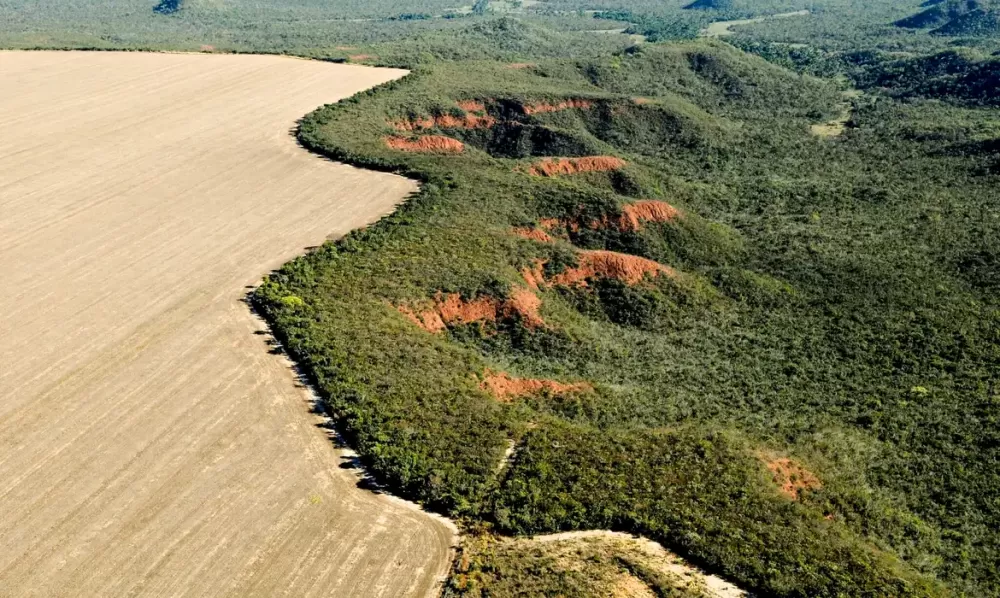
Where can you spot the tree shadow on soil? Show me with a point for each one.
(350, 460)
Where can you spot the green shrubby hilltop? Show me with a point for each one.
(794, 394)
(957, 18)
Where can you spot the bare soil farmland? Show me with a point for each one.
(149, 443)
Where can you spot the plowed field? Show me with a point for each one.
(150, 444)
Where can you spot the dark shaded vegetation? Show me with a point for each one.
(166, 7)
(957, 18)
(710, 5)
(963, 77)
(940, 13)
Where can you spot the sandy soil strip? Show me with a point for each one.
(149, 443)
(667, 562)
(836, 127)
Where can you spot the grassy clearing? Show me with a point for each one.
(584, 565)
(724, 28)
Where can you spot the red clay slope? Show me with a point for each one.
(434, 144)
(450, 308)
(629, 269)
(506, 388)
(562, 166)
(791, 477)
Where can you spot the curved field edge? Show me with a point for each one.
(153, 442)
(413, 404)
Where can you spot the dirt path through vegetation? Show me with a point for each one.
(149, 443)
(836, 127)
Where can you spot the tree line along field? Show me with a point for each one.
(692, 318)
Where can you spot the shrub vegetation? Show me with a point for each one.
(831, 305)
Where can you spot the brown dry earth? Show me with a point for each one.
(684, 575)
(149, 443)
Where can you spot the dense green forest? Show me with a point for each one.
(831, 304)
(772, 348)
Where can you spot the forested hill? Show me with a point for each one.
(696, 318)
(957, 18)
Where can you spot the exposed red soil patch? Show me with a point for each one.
(791, 477)
(469, 121)
(534, 234)
(472, 106)
(524, 304)
(506, 388)
(362, 57)
(642, 101)
(446, 121)
(450, 308)
(630, 269)
(558, 166)
(534, 276)
(634, 214)
(428, 143)
(544, 107)
(415, 124)
(550, 223)
(455, 310)
(557, 225)
(428, 319)
(632, 218)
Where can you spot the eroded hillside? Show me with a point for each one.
(708, 326)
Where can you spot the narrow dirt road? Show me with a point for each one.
(149, 443)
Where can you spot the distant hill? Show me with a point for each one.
(960, 76)
(710, 5)
(979, 22)
(956, 17)
(939, 13)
